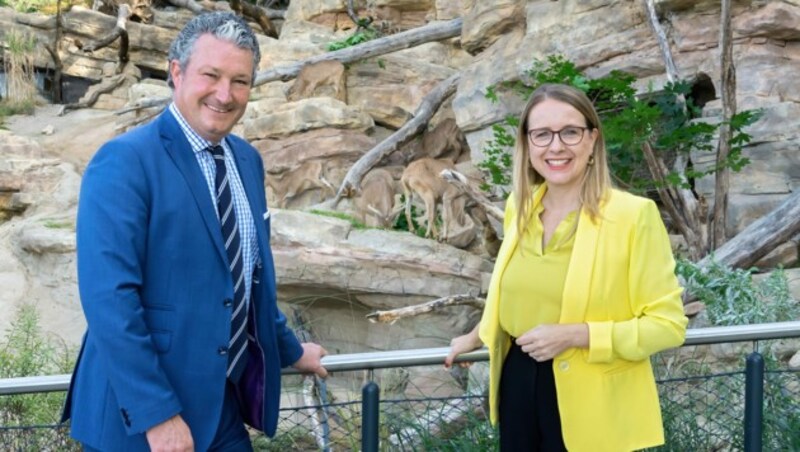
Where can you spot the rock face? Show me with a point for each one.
(337, 273)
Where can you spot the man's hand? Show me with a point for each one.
(311, 362)
(548, 341)
(172, 435)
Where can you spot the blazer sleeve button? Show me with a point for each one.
(564, 366)
(227, 303)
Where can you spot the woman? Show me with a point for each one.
(583, 292)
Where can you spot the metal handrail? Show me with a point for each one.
(435, 356)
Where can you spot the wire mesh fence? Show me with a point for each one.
(426, 408)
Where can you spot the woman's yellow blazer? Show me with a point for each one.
(621, 282)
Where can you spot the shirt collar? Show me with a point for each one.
(197, 142)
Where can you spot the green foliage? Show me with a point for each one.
(26, 351)
(735, 297)
(401, 223)
(340, 215)
(359, 37)
(670, 126)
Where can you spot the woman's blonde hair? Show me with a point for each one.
(596, 180)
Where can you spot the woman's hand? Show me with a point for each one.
(548, 341)
(463, 344)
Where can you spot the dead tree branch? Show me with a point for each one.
(256, 13)
(120, 31)
(460, 181)
(761, 236)
(399, 41)
(429, 105)
(394, 315)
(106, 86)
(728, 85)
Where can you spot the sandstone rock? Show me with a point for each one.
(475, 113)
(447, 9)
(307, 114)
(794, 362)
(326, 144)
(391, 87)
(49, 236)
(485, 22)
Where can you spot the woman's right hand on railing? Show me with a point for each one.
(463, 344)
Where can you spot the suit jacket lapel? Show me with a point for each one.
(182, 155)
(579, 273)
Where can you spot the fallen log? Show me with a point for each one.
(761, 236)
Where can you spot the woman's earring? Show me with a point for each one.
(591, 160)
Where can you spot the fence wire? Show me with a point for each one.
(701, 413)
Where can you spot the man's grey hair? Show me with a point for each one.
(220, 24)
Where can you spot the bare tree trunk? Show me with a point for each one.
(681, 204)
(761, 236)
(663, 44)
(460, 181)
(394, 315)
(52, 50)
(429, 105)
(399, 41)
(728, 85)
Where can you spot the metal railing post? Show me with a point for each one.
(370, 410)
(754, 402)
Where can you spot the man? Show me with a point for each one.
(185, 341)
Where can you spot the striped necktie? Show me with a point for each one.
(237, 347)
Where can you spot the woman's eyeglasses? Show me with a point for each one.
(570, 135)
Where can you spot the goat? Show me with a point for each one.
(325, 78)
(421, 177)
(290, 184)
(375, 202)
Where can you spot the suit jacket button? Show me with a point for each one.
(222, 350)
(227, 303)
(564, 366)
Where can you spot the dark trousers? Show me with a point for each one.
(529, 419)
(231, 434)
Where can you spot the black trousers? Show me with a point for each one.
(529, 419)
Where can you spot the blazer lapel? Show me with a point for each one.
(579, 273)
(182, 155)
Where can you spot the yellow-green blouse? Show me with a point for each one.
(531, 288)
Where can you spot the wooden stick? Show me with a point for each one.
(394, 315)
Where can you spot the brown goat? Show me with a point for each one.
(375, 202)
(290, 184)
(421, 177)
(325, 78)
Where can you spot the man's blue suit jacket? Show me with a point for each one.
(154, 284)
